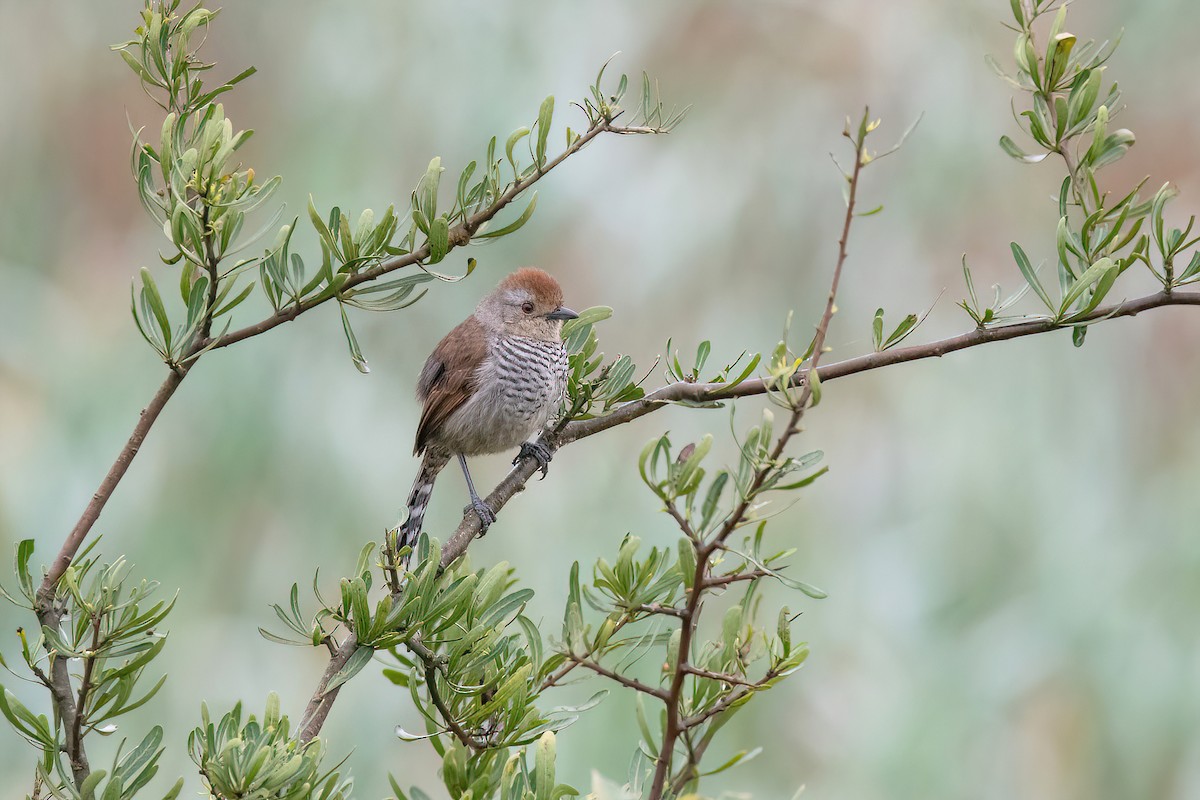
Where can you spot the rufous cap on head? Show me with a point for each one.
(538, 282)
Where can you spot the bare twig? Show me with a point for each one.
(718, 581)
(624, 680)
(659, 609)
(91, 512)
(554, 678)
(723, 677)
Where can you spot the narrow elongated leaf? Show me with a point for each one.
(354, 665)
(515, 225)
(543, 125)
(1030, 274)
(360, 363)
(1090, 276)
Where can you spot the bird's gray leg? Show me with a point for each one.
(538, 452)
(485, 513)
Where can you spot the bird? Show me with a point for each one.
(493, 382)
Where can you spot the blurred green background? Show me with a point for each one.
(1008, 535)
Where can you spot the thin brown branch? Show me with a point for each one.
(723, 677)
(60, 693)
(459, 235)
(467, 739)
(691, 768)
(573, 661)
(75, 734)
(734, 577)
(706, 392)
(681, 522)
(50, 612)
(519, 476)
(555, 677)
(212, 266)
(617, 677)
(660, 610)
(91, 512)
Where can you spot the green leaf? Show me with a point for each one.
(544, 766)
(515, 225)
(24, 576)
(741, 758)
(576, 329)
(87, 789)
(36, 728)
(150, 292)
(354, 665)
(1084, 94)
(1090, 276)
(543, 125)
(360, 363)
(1030, 275)
(906, 326)
(498, 611)
(644, 725)
(439, 239)
(516, 136)
(813, 378)
(1010, 147)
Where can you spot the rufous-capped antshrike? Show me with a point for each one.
(495, 381)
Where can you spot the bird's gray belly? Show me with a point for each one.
(520, 390)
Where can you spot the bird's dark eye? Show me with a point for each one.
(527, 307)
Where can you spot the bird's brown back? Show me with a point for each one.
(449, 377)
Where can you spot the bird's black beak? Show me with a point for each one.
(562, 313)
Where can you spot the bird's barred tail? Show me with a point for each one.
(418, 498)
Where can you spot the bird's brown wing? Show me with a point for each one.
(449, 377)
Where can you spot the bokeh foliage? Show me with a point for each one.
(286, 291)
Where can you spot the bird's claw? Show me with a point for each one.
(538, 452)
(484, 512)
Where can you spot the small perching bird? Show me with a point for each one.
(492, 383)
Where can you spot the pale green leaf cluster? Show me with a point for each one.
(110, 629)
(594, 387)
(260, 760)
(1097, 237)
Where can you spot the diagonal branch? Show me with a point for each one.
(459, 235)
(91, 512)
(698, 392)
(617, 677)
